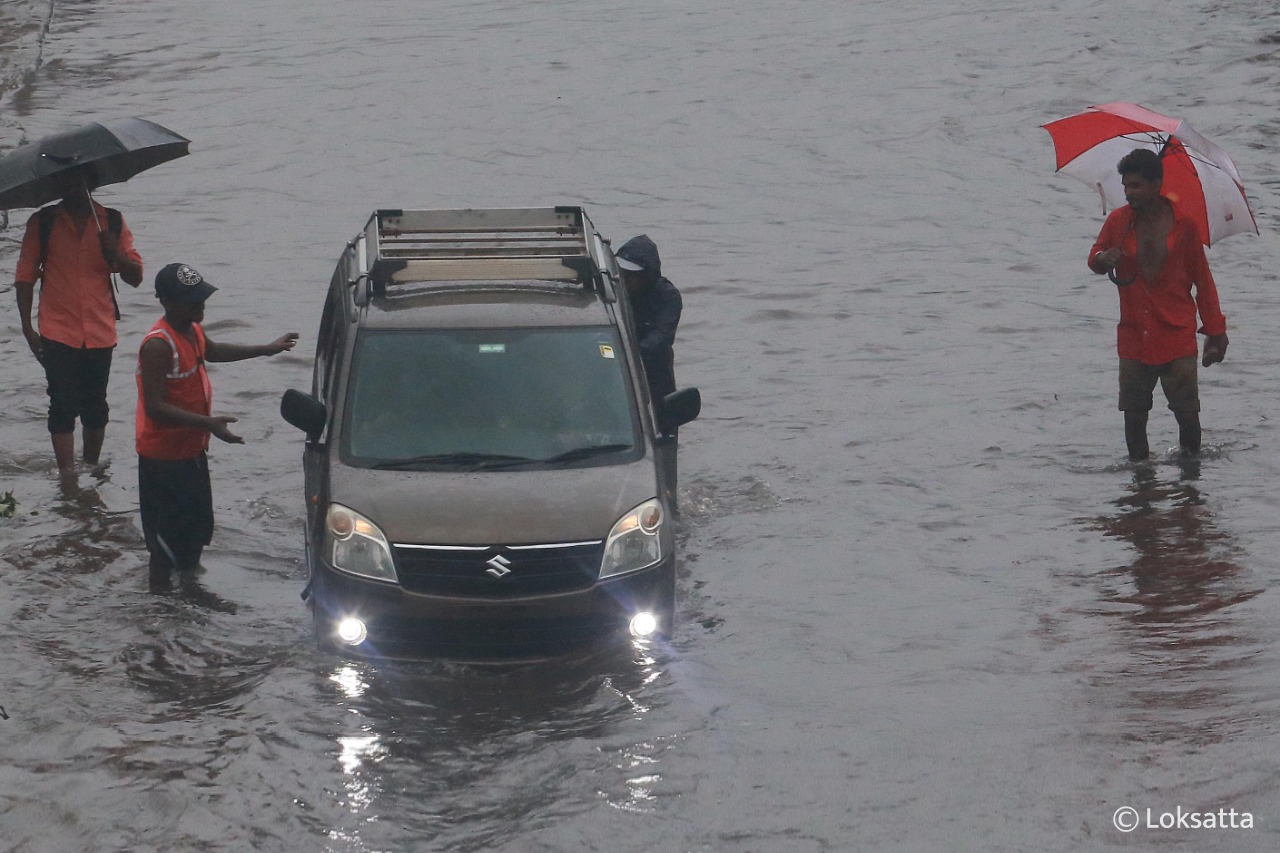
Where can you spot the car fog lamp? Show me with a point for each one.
(643, 624)
(352, 631)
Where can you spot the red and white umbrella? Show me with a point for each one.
(1198, 175)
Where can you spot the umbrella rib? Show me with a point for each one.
(1156, 136)
(1150, 136)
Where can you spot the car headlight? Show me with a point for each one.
(357, 545)
(635, 542)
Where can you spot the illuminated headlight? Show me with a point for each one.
(357, 545)
(635, 542)
(352, 631)
(643, 624)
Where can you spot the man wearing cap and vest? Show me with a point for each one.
(72, 248)
(175, 419)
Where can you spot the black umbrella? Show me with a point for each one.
(117, 150)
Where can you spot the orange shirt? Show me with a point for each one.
(1158, 318)
(76, 307)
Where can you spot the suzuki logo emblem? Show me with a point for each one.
(498, 566)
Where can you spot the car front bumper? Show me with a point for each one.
(402, 624)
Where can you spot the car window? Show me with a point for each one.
(522, 394)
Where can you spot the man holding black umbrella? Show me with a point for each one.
(73, 257)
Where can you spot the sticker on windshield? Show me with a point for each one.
(606, 351)
(493, 348)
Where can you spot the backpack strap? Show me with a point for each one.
(47, 216)
(115, 224)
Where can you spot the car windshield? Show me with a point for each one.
(489, 399)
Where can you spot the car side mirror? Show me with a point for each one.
(305, 412)
(678, 408)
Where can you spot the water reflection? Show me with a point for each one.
(465, 752)
(79, 536)
(1183, 563)
(1187, 651)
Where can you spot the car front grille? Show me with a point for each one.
(500, 571)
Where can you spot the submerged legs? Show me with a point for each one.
(1189, 432)
(1135, 435)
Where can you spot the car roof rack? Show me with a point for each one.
(496, 245)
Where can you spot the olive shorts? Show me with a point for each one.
(1177, 378)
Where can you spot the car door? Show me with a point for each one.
(330, 348)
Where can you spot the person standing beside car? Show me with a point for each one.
(655, 309)
(175, 419)
(655, 312)
(1153, 253)
(72, 248)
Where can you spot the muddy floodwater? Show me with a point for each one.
(924, 602)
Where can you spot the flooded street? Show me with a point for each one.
(924, 603)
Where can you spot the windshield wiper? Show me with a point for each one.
(579, 453)
(472, 461)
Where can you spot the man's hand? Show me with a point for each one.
(284, 343)
(116, 262)
(1107, 260)
(26, 291)
(218, 428)
(1215, 349)
(110, 244)
(33, 341)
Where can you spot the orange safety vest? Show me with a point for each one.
(188, 387)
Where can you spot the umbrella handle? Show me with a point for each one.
(93, 209)
(115, 284)
(1111, 274)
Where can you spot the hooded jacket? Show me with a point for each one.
(655, 310)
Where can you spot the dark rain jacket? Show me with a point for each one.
(655, 310)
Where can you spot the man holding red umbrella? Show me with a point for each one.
(1152, 250)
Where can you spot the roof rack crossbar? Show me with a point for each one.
(516, 244)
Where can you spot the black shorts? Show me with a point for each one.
(77, 385)
(177, 508)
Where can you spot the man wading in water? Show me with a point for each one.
(175, 419)
(1154, 255)
(72, 249)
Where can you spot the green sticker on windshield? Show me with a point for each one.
(493, 348)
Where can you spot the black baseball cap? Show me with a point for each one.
(181, 283)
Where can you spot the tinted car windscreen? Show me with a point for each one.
(475, 399)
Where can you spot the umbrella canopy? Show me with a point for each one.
(1198, 175)
(117, 150)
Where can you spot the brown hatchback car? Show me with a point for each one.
(485, 474)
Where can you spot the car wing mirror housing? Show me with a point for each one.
(678, 408)
(305, 412)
